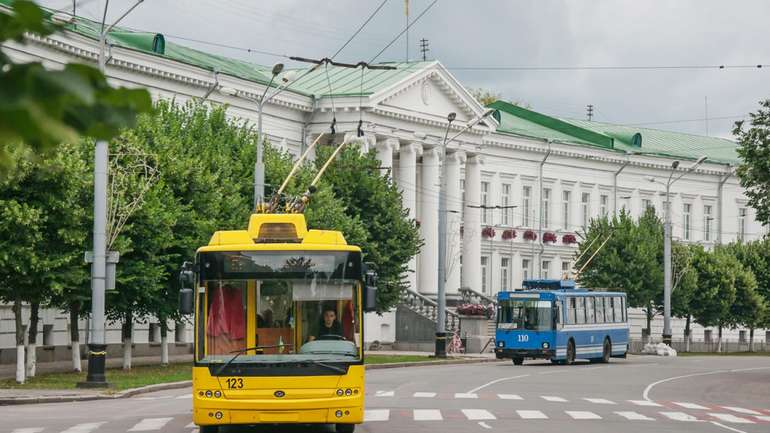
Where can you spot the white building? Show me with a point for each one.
(584, 169)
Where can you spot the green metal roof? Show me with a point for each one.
(523, 122)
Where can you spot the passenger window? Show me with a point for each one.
(610, 310)
(618, 310)
(599, 310)
(625, 310)
(571, 311)
(590, 314)
(580, 311)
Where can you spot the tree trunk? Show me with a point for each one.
(34, 319)
(75, 335)
(20, 377)
(163, 341)
(127, 331)
(687, 334)
(751, 339)
(719, 339)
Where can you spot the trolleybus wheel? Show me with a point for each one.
(570, 352)
(345, 428)
(518, 361)
(606, 351)
(209, 429)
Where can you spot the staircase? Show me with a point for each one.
(428, 309)
(471, 296)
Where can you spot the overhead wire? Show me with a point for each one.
(361, 27)
(408, 26)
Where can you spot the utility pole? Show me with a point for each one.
(406, 12)
(424, 49)
(590, 112)
(97, 346)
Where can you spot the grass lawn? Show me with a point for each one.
(723, 354)
(152, 374)
(120, 380)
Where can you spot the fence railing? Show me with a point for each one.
(727, 346)
(428, 308)
(471, 296)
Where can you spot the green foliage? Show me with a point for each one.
(752, 307)
(716, 286)
(39, 108)
(685, 280)
(754, 150)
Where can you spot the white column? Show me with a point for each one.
(407, 181)
(471, 276)
(385, 149)
(428, 275)
(454, 163)
(516, 271)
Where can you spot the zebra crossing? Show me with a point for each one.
(381, 415)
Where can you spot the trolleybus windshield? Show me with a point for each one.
(525, 314)
(290, 306)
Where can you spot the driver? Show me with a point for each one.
(329, 325)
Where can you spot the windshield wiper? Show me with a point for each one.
(329, 366)
(239, 352)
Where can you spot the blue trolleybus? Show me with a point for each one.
(554, 319)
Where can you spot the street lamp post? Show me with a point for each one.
(441, 334)
(667, 245)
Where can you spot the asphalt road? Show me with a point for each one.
(705, 394)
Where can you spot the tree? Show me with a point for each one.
(367, 193)
(42, 108)
(752, 301)
(486, 97)
(716, 282)
(630, 260)
(684, 286)
(754, 150)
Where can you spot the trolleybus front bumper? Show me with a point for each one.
(502, 353)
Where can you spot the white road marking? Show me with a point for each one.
(679, 416)
(191, 425)
(485, 425)
(599, 400)
(427, 415)
(553, 398)
(646, 393)
(376, 415)
(424, 394)
(509, 397)
(183, 396)
(477, 414)
(581, 414)
(384, 394)
(478, 388)
(634, 416)
(742, 410)
(687, 405)
(727, 427)
(84, 428)
(728, 417)
(762, 417)
(644, 403)
(466, 395)
(149, 424)
(29, 430)
(531, 414)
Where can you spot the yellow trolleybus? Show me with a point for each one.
(278, 317)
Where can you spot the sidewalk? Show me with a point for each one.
(415, 353)
(8, 371)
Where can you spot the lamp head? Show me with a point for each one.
(277, 69)
(289, 76)
(675, 165)
(451, 117)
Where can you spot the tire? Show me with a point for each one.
(345, 428)
(557, 362)
(209, 429)
(570, 353)
(606, 351)
(518, 361)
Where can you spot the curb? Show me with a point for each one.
(185, 383)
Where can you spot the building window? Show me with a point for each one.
(707, 221)
(741, 223)
(646, 204)
(153, 333)
(742, 336)
(545, 268)
(707, 335)
(585, 209)
(565, 205)
(525, 271)
(484, 273)
(546, 207)
(179, 332)
(566, 270)
(505, 201)
(604, 200)
(526, 205)
(484, 202)
(47, 335)
(504, 273)
(687, 225)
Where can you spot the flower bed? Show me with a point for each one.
(569, 239)
(509, 234)
(549, 237)
(488, 232)
(530, 235)
(478, 310)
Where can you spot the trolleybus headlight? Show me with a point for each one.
(218, 415)
(338, 414)
(546, 345)
(348, 391)
(208, 394)
(340, 392)
(217, 394)
(501, 344)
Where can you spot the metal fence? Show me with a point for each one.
(728, 346)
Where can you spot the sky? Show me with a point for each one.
(465, 35)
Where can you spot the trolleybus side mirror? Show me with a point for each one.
(370, 289)
(186, 283)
